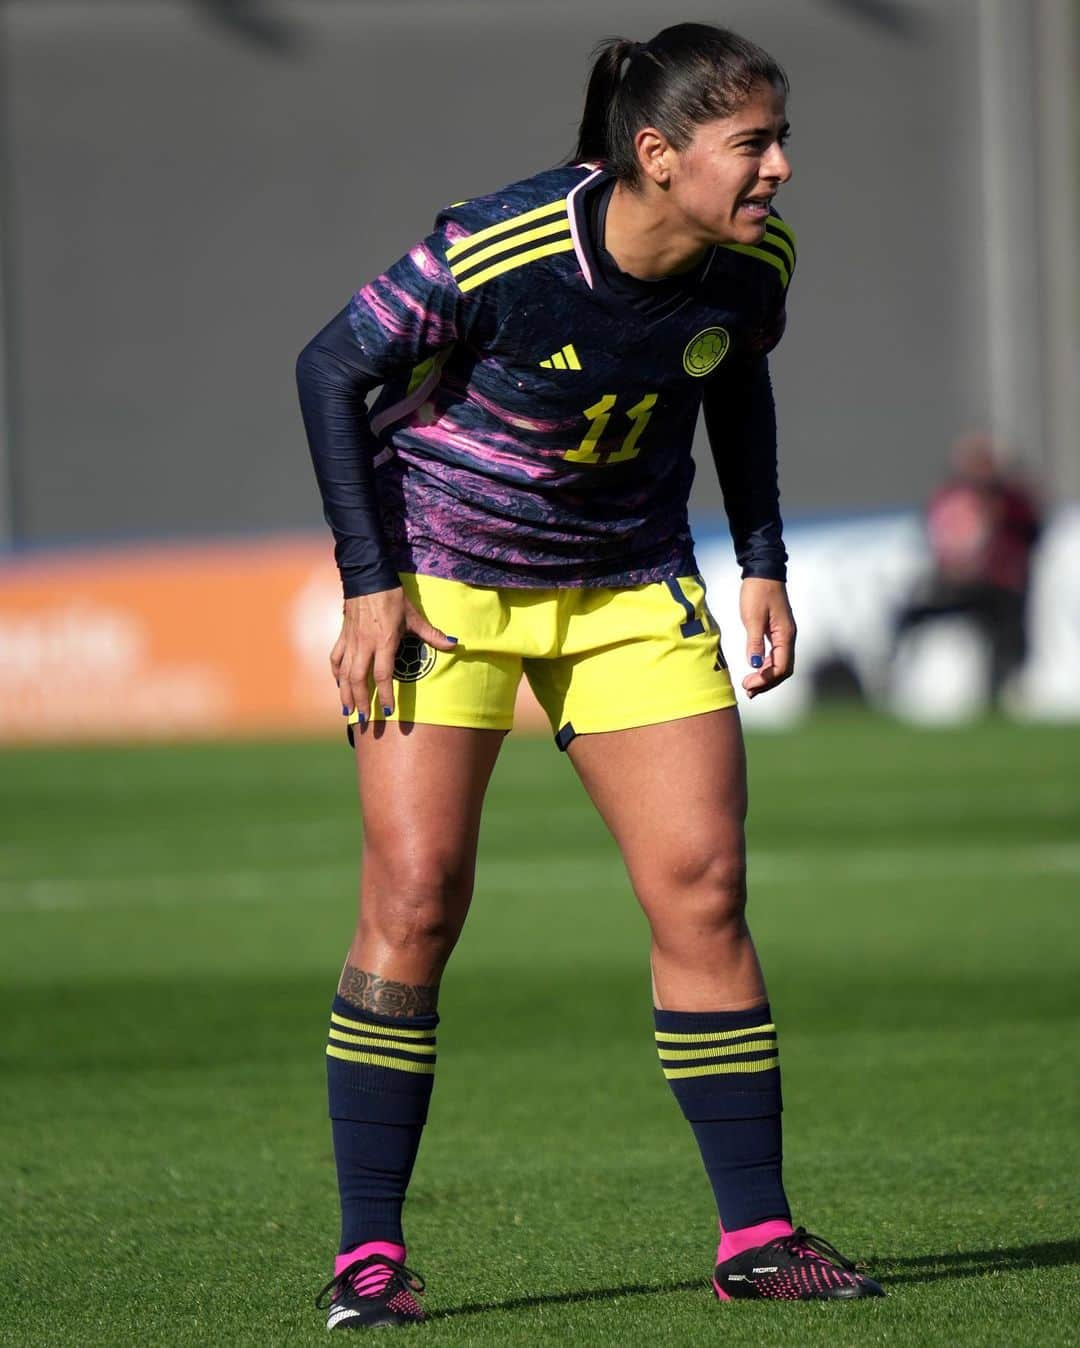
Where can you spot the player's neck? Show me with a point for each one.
(645, 241)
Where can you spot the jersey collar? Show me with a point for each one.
(577, 210)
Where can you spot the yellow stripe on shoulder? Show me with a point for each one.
(504, 245)
(762, 255)
(781, 242)
(564, 245)
(515, 222)
(774, 222)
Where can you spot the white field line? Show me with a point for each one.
(564, 874)
(132, 892)
(918, 863)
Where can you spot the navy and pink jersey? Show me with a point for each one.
(534, 424)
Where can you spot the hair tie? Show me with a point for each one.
(634, 49)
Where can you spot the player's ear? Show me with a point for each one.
(654, 154)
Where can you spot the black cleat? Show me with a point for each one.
(799, 1267)
(392, 1304)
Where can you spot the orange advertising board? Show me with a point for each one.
(173, 640)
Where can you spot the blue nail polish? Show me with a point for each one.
(756, 662)
(363, 720)
(387, 711)
(450, 638)
(344, 710)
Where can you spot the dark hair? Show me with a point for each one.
(687, 74)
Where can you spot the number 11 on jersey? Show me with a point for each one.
(598, 416)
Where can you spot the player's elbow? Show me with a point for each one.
(310, 367)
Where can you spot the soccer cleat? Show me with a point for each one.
(372, 1293)
(798, 1267)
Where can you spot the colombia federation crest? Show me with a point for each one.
(414, 659)
(705, 351)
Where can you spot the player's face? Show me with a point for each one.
(723, 181)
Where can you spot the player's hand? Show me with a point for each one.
(371, 630)
(770, 634)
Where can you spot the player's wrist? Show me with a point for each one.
(374, 579)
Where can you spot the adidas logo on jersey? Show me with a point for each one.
(566, 359)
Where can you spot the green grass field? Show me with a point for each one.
(171, 925)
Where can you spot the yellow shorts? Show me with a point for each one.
(597, 659)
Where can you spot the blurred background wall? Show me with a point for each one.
(190, 188)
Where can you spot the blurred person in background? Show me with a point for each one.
(522, 482)
(982, 525)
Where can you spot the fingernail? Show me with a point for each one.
(450, 638)
(756, 662)
(387, 711)
(363, 720)
(344, 710)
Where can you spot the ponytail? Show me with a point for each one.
(607, 72)
(686, 75)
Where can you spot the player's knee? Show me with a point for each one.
(415, 904)
(702, 891)
(719, 896)
(414, 924)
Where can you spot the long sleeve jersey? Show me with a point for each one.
(535, 423)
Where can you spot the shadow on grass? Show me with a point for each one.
(916, 1268)
(977, 1263)
(570, 1298)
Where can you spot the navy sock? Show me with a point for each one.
(379, 1075)
(724, 1069)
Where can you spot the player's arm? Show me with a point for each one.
(390, 326)
(740, 418)
(393, 324)
(334, 375)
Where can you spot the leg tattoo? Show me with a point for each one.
(369, 992)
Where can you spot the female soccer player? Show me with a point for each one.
(521, 483)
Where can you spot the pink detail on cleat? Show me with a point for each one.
(371, 1281)
(749, 1238)
(404, 1303)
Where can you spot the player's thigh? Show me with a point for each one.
(421, 794)
(673, 795)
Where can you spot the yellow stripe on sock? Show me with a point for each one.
(340, 1037)
(515, 222)
(720, 1068)
(518, 260)
(390, 1030)
(504, 245)
(746, 1046)
(664, 1037)
(426, 1069)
